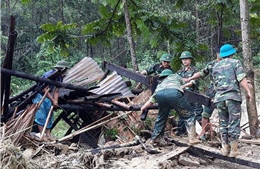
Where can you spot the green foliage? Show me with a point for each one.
(100, 31)
(111, 133)
(149, 121)
(61, 127)
(256, 61)
(58, 35)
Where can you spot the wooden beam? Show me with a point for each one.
(47, 81)
(170, 155)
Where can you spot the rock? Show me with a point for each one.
(185, 160)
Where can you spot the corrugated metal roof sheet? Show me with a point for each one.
(87, 71)
(113, 83)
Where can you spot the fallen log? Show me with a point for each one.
(251, 141)
(215, 153)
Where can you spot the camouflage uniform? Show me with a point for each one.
(169, 95)
(186, 73)
(227, 74)
(210, 89)
(156, 69)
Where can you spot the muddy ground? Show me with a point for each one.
(41, 155)
(56, 155)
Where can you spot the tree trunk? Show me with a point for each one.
(247, 55)
(130, 36)
(197, 24)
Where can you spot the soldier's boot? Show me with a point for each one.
(234, 151)
(225, 149)
(161, 141)
(192, 135)
(204, 123)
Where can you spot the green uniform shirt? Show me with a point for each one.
(189, 72)
(173, 81)
(208, 71)
(227, 74)
(156, 69)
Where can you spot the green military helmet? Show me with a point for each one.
(186, 55)
(166, 72)
(62, 64)
(166, 57)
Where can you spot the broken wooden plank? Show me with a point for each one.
(128, 73)
(171, 154)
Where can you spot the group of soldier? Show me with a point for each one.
(226, 76)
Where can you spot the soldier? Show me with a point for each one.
(228, 75)
(187, 71)
(207, 111)
(159, 67)
(169, 95)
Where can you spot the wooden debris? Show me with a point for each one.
(215, 153)
(157, 160)
(84, 129)
(18, 127)
(251, 141)
(171, 154)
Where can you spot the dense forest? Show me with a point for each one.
(131, 32)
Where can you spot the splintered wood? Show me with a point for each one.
(131, 123)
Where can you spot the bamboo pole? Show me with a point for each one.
(43, 97)
(104, 105)
(121, 104)
(99, 120)
(46, 123)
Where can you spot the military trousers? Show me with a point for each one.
(168, 99)
(229, 112)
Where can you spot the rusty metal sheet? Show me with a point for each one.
(85, 72)
(113, 83)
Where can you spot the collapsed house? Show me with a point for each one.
(90, 94)
(98, 106)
